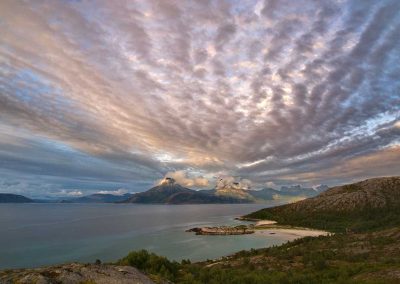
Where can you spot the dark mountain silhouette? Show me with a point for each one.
(14, 198)
(292, 191)
(98, 198)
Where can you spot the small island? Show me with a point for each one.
(260, 227)
(223, 230)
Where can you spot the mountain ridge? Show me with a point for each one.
(14, 198)
(98, 198)
(170, 192)
(365, 205)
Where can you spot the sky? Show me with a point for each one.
(112, 96)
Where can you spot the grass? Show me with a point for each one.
(364, 249)
(339, 222)
(341, 258)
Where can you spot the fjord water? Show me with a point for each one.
(34, 235)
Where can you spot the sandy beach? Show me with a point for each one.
(294, 233)
(265, 222)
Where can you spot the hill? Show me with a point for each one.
(14, 198)
(284, 192)
(370, 255)
(169, 192)
(360, 206)
(365, 248)
(98, 198)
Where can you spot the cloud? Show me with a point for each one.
(73, 193)
(113, 95)
(230, 182)
(181, 177)
(271, 184)
(120, 191)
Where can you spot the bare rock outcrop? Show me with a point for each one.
(76, 273)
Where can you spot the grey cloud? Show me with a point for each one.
(163, 86)
(224, 34)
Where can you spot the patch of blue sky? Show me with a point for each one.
(71, 1)
(240, 7)
(29, 85)
(55, 150)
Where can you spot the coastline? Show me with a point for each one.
(271, 227)
(292, 232)
(261, 227)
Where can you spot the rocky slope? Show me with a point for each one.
(76, 273)
(360, 206)
(370, 193)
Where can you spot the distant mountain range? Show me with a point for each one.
(98, 198)
(296, 190)
(169, 192)
(14, 198)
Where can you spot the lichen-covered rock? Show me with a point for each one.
(76, 273)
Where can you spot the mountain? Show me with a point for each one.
(371, 193)
(322, 188)
(14, 198)
(232, 189)
(372, 203)
(292, 191)
(169, 192)
(365, 249)
(234, 192)
(98, 198)
(265, 193)
(297, 190)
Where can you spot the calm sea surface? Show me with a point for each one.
(41, 234)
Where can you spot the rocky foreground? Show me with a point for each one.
(222, 230)
(76, 273)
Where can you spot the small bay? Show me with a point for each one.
(33, 235)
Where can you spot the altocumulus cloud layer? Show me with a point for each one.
(107, 95)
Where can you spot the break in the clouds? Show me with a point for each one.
(102, 95)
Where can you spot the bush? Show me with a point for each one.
(152, 264)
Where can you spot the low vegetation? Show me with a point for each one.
(364, 249)
(364, 206)
(158, 267)
(362, 220)
(341, 258)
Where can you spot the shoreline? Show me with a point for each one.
(261, 227)
(292, 232)
(271, 227)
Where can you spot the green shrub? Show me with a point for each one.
(152, 264)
